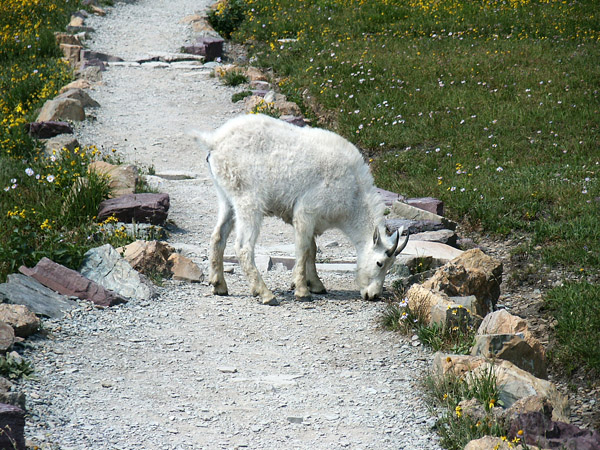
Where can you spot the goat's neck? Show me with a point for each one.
(360, 229)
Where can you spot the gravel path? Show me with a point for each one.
(188, 370)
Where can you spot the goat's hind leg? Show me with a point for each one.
(225, 223)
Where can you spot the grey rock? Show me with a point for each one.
(10, 395)
(406, 211)
(413, 226)
(106, 267)
(23, 290)
(56, 144)
(92, 55)
(80, 95)
(61, 109)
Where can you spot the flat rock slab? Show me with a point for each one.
(441, 252)
(105, 266)
(141, 208)
(413, 226)
(23, 290)
(69, 282)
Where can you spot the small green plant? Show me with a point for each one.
(15, 368)
(234, 78)
(227, 16)
(458, 337)
(447, 392)
(266, 108)
(238, 96)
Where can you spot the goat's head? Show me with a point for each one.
(375, 261)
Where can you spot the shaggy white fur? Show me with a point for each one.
(311, 178)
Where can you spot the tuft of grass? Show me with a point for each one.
(576, 308)
(234, 78)
(458, 339)
(445, 393)
(238, 96)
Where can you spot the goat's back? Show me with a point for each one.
(277, 165)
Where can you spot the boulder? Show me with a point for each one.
(184, 269)
(80, 95)
(538, 429)
(470, 273)
(294, 120)
(69, 282)
(105, 266)
(513, 348)
(495, 443)
(501, 322)
(76, 21)
(72, 53)
(433, 205)
(66, 38)
(255, 74)
(23, 321)
(145, 208)
(406, 211)
(148, 257)
(437, 307)
(23, 290)
(7, 337)
(61, 109)
(213, 47)
(55, 145)
(514, 383)
(77, 84)
(12, 424)
(45, 130)
(122, 178)
(10, 395)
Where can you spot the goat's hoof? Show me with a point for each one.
(220, 290)
(303, 298)
(271, 301)
(317, 290)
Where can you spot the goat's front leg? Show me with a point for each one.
(247, 233)
(218, 242)
(303, 238)
(314, 283)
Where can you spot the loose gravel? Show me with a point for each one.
(189, 370)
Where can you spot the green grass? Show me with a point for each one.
(492, 107)
(576, 307)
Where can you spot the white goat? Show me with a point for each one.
(311, 178)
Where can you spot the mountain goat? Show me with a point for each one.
(311, 178)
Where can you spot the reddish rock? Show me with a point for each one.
(539, 430)
(70, 283)
(209, 47)
(12, 424)
(140, 208)
(46, 130)
(433, 205)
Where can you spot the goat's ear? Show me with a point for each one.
(376, 237)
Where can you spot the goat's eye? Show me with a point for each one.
(379, 264)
